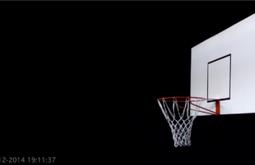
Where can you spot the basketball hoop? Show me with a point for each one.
(180, 113)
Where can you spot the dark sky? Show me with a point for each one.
(109, 59)
(152, 44)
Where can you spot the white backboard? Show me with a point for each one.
(219, 78)
(223, 66)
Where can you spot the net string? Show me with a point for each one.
(179, 119)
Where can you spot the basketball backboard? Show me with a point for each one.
(222, 69)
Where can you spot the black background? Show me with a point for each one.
(151, 58)
(72, 65)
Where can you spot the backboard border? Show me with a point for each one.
(215, 60)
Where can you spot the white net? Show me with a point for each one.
(179, 118)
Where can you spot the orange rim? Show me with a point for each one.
(183, 98)
(192, 99)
